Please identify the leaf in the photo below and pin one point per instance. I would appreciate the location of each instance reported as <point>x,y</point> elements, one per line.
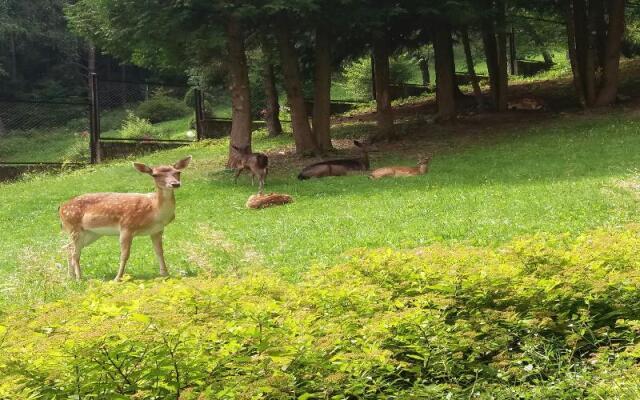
<point>145,319</point>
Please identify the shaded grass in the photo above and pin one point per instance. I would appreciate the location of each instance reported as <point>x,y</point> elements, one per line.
<point>558,177</point>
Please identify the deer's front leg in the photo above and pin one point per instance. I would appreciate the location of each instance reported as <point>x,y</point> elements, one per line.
<point>126,238</point>
<point>238,171</point>
<point>156,239</point>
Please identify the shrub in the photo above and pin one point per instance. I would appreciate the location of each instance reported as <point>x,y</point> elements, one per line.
<point>111,120</point>
<point>135,127</point>
<point>161,107</point>
<point>357,75</point>
<point>543,318</point>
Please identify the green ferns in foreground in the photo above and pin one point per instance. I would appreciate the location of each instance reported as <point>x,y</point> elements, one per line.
<point>547,317</point>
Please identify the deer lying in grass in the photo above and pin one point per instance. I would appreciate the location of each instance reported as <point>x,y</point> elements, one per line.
<point>338,167</point>
<point>422,168</point>
<point>527,104</point>
<point>257,163</point>
<point>91,216</point>
<point>257,201</point>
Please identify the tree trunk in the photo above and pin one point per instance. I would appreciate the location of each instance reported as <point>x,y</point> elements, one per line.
<point>272,110</point>
<point>13,68</point>
<point>272,115</point>
<point>305,141</point>
<point>424,71</point>
<point>445,71</point>
<point>591,53</point>
<point>601,32</point>
<point>584,53</point>
<point>322,90</point>
<point>609,89</point>
<point>495,47</point>
<point>471,68</point>
<point>491,56</point>
<point>239,88</point>
<point>573,53</point>
<point>384,112</point>
<point>503,77</point>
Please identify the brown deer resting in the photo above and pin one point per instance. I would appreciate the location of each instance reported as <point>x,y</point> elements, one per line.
<point>91,216</point>
<point>267,200</point>
<point>422,168</point>
<point>338,167</point>
<point>256,163</point>
<point>527,104</point>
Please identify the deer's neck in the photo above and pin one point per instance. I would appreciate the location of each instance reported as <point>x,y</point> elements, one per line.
<point>423,168</point>
<point>165,199</point>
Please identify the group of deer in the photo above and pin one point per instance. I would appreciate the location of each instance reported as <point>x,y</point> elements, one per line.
<point>88,217</point>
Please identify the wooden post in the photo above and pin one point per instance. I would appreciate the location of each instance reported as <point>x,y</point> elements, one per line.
<point>94,121</point>
<point>199,114</point>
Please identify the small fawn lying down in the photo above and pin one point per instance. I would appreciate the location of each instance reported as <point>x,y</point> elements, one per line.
<point>91,216</point>
<point>527,104</point>
<point>338,167</point>
<point>268,200</point>
<point>256,163</point>
<point>422,168</point>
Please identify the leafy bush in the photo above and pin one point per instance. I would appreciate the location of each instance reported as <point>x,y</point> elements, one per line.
<point>135,127</point>
<point>112,120</point>
<point>161,107</point>
<point>357,75</point>
<point>546,317</point>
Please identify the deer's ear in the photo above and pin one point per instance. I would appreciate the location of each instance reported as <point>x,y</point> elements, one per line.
<point>142,168</point>
<point>182,164</point>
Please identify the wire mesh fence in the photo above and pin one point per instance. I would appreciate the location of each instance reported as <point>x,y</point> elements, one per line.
<point>140,111</point>
<point>44,131</point>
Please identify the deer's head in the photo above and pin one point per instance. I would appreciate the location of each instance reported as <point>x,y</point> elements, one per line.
<point>165,176</point>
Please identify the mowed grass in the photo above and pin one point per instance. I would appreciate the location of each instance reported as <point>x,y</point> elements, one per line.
<point>562,176</point>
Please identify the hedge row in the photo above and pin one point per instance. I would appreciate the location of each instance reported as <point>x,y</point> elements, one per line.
<point>547,317</point>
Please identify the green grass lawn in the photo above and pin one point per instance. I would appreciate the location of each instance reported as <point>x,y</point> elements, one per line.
<point>509,271</point>
<point>558,177</point>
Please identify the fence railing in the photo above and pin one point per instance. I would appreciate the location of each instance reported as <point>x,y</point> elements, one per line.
<point>39,131</point>
<point>113,118</point>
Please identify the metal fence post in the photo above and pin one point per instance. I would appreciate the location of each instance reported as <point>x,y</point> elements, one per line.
<point>199,113</point>
<point>94,121</point>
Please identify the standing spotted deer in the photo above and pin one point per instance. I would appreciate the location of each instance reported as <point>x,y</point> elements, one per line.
<point>91,216</point>
<point>256,163</point>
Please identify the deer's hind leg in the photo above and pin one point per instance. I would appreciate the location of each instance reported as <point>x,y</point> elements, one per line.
<point>79,240</point>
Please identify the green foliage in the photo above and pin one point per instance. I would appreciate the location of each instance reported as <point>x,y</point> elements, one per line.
<point>543,317</point>
<point>161,107</point>
<point>135,127</point>
<point>357,75</point>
